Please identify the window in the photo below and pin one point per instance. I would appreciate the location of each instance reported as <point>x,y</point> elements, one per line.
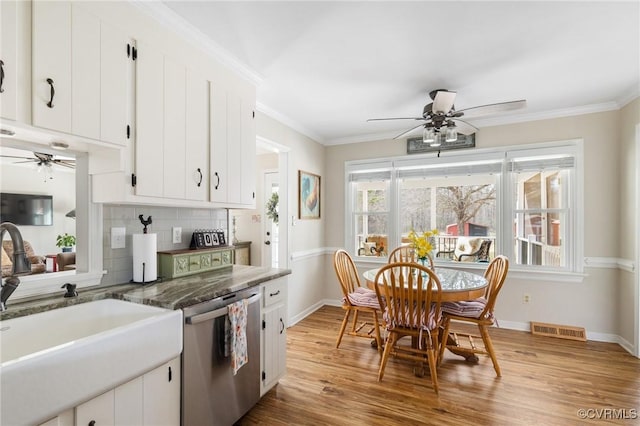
<point>520,202</point>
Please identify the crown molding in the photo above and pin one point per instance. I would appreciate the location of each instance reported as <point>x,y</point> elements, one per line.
<point>295,125</point>
<point>175,23</point>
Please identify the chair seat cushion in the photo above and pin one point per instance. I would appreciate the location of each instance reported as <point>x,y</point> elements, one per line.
<point>431,323</point>
<point>466,308</point>
<point>364,297</point>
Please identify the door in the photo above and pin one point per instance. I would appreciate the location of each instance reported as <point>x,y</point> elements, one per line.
<point>271,227</point>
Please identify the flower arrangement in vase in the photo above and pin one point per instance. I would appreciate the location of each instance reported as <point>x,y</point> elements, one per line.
<point>422,243</point>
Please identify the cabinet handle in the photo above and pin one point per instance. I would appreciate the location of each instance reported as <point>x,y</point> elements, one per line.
<point>274,294</point>
<point>53,92</point>
<point>170,374</point>
<point>1,75</point>
<point>200,172</point>
<point>282,324</point>
<point>218,177</point>
<point>92,423</point>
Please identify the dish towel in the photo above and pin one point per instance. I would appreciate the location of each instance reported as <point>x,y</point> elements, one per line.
<point>238,329</point>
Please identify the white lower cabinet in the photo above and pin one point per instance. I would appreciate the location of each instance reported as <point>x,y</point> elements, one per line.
<point>273,333</point>
<point>152,399</point>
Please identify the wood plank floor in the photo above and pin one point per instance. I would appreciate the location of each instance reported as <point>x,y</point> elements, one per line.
<point>545,381</point>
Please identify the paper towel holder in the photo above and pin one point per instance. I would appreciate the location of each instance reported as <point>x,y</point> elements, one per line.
<point>145,223</point>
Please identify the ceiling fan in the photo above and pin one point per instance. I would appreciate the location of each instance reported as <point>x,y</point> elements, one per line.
<point>44,162</point>
<point>441,115</point>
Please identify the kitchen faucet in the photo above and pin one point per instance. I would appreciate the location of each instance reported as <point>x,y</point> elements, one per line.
<point>21,264</point>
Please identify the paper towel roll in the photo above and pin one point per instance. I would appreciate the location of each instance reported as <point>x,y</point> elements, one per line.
<point>145,260</point>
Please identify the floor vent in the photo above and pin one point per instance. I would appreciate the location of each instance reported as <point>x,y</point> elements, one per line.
<point>560,331</point>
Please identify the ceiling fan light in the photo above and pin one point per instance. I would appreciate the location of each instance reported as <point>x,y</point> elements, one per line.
<point>437,141</point>
<point>428,135</point>
<point>452,134</point>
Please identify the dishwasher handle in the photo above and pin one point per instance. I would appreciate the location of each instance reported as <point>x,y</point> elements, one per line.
<point>206,316</point>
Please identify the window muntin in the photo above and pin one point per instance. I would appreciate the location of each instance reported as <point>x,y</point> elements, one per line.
<point>530,217</point>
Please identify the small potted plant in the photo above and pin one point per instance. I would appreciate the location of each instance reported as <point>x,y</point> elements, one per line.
<point>66,242</point>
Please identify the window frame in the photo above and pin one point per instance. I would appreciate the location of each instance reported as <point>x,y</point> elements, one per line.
<point>573,271</point>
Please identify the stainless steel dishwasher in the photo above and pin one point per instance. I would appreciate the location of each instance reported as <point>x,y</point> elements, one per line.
<point>211,393</point>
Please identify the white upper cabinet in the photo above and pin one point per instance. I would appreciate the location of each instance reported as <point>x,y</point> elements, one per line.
<point>80,73</point>
<point>233,142</point>
<point>197,137</point>
<point>51,65</point>
<point>15,60</point>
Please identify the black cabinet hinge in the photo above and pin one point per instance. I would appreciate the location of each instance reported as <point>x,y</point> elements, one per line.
<point>264,324</point>
<point>128,131</point>
<point>264,376</point>
<point>134,179</point>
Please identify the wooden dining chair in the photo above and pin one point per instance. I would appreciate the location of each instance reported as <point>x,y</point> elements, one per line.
<point>356,299</point>
<point>410,295</point>
<point>407,253</point>
<point>479,312</point>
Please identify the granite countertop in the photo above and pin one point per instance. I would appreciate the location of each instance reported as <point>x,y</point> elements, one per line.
<point>177,293</point>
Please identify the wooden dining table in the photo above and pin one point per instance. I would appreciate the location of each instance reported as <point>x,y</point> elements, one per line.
<point>456,285</point>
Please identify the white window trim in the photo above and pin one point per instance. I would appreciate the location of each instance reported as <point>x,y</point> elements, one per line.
<point>575,266</point>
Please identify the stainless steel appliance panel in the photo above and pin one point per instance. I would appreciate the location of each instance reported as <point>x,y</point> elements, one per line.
<point>211,393</point>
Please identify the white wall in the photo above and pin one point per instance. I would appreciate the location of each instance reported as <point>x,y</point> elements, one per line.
<point>24,179</point>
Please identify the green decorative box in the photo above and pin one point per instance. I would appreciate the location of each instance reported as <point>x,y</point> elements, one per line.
<point>179,263</point>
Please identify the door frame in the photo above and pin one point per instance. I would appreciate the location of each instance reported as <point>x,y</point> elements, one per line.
<point>285,195</point>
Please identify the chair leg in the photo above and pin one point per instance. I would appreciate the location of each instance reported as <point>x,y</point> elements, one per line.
<point>343,327</point>
<point>376,324</point>
<point>443,339</point>
<point>385,355</point>
<point>431,357</point>
<point>486,339</point>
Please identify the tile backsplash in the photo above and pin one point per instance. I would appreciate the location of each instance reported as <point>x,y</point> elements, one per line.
<point>119,262</point>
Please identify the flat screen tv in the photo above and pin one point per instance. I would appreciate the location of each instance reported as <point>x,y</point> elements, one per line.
<point>26,209</point>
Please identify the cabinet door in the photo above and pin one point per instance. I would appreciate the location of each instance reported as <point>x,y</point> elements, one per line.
<point>51,65</point>
<point>218,143</point>
<point>162,395</point>
<point>116,97</point>
<point>128,403</point>
<point>174,173</point>
<point>275,345</point>
<point>149,152</point>
<point>197,137</point>
<point>66,418</point>
<point>99,410</point>
<point>9,58</point>
<point>85,73</point>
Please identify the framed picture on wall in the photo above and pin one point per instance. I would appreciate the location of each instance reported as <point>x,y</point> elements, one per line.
<point>308,195</point>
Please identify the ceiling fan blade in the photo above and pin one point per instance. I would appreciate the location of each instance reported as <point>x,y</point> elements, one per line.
<point>28,160</point>
<point>464,128</point>
<point>15,156</point>
<point>70,166</point>
<point>408,131</point>
<point>397,118</point>
<point>493,108</point>
<point>443,102</point>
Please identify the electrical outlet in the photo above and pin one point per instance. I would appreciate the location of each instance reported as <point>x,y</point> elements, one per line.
<point>526,298</point>
<point>177,235</point>
<point>118,237</point>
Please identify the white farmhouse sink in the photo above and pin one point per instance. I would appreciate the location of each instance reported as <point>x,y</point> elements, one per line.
<point>55,360</point>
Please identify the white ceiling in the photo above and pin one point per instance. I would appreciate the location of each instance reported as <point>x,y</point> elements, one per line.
<point>325,67</point>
